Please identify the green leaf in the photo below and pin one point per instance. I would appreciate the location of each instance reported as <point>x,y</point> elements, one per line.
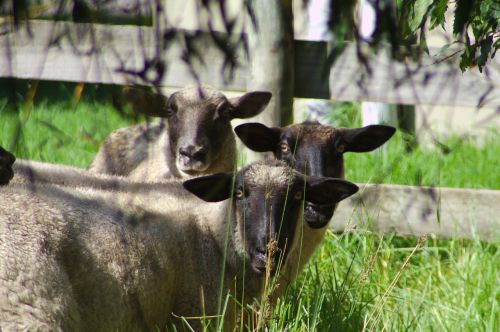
<point>490,11</point>
<point>484,7</point>
<point>467,57</point>
<point>422,46</point>
<point>418,14</point>
<point>437,13</point>
<point>463,13</point>
<point>485,51</point>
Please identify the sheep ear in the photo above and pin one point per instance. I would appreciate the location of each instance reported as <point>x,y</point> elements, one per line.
<point>250,104</point>
<point>328,191</point>
<point>211,188</point>
<point>258,137</point>
<point>7,159</point>
<point>144,101</point>
<point>364,139</point>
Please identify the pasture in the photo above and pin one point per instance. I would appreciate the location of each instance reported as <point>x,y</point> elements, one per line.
<point>357,280</point>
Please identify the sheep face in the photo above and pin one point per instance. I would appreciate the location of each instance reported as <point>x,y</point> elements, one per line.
<point>268,202</point>
<point>267,207</point>
<point>315,150</point>
<point>198,120</point>
<point>199,125</point>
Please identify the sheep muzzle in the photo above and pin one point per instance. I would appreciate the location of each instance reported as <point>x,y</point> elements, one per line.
<point>192,158</point>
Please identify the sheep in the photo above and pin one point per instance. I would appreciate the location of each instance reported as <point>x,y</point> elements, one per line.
<point>194,136</point>
<point>314,149</point>
<point>309,147</point>
<point>113,261</point>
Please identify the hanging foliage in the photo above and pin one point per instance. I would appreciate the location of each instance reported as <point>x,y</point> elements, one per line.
<point>403,25</point>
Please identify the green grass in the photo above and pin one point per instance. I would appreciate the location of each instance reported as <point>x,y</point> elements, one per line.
<point>355,281</point>
<point>453,162</point>
<point>461,163</point>
<point>446,286</point>
<point>60,132</point>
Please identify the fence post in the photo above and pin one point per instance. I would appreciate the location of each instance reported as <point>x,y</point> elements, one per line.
<point>270,44</point>
<point>402,116</point>
<point>372,112</point>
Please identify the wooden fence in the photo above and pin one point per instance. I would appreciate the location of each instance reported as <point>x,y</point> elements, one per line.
<point>100,53</point>
<point>419,211</point>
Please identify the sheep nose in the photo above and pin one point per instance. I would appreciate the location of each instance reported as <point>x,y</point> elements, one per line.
<point>261,254</point>
<point>192,152</point>
<point>260,260</point>
<point>261,251</point>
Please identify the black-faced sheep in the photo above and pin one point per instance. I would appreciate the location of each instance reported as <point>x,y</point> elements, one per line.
<point>115,261</point>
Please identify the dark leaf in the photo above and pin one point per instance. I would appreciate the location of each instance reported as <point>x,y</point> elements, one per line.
<point>485,47</point>
<point>437,13</point>
<point>463,13</point>
<point>466,59</point>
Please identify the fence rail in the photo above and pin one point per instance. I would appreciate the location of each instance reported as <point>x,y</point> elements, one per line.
<point>99,53</point>
<point>419,211</point>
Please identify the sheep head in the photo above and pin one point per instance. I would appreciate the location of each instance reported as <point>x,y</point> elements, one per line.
<point>198,120</point>
<point>268,200</point>
<point>315,150</point>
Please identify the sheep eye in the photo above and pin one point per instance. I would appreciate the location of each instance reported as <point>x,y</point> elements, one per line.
<point>225,110</point>
<point>239,194</point>
<point>285,148</point>
<point>341,148</point>
<point>170,112</point>
<point>171,109</point>
<point>298,195</point>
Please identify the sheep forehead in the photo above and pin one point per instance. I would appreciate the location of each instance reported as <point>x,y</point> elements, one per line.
<point>277,176</point>
<point>199,97</point>
<point>313,132</point>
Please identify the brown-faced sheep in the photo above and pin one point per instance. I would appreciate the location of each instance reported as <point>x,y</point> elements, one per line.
<point>314,149</point>
<point>193,138</point>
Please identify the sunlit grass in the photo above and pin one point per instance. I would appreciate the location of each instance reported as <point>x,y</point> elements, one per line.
<point>451,285</point>
<point>59,132</point>
<point>463,164</point>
